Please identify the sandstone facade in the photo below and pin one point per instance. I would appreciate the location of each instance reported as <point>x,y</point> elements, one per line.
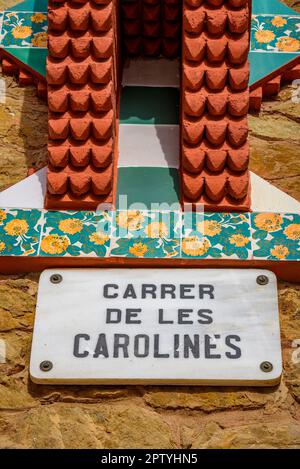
<point>33,416</point>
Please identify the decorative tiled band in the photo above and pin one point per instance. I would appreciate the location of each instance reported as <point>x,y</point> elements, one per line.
<point>271,33</point>
<point>23,29</point>
<point>150,235</point>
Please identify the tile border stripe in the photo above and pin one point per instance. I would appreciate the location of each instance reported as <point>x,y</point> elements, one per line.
<point>149,235</point>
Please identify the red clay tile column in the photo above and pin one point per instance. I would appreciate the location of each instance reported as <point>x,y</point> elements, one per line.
<point>82,75</point>
<point>151,27</point>
<point>215,102</point>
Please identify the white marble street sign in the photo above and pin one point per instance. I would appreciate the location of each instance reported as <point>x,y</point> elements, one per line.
<point>174,326</point>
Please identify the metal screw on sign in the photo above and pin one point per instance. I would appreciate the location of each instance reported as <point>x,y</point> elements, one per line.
<point>262,280</point>
<point>46,365</point>
<point>266,367</point>
<point>56,278</point>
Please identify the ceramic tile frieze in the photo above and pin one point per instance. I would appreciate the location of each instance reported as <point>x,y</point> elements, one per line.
<point>142,234</point>
<point>276,236</point>
<point>216,235</point>
<point>20,232</point>
<point>85,234</point>
<point>279,33</point>
<point>24,29</point>
<point>150,234</point>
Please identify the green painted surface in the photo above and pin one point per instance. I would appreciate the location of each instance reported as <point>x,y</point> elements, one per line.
<point>262,64</point>
<point>146,105</point>
<point>275,38</point>
<point>274,7</point>
<point>148,185</point>
<point>34,58</point>
<point>30,46</point>
<point>30,5</point>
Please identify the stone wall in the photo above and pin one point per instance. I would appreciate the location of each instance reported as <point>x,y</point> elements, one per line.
<point>33,416</point>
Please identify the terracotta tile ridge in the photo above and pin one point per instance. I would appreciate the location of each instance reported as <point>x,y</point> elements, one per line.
<point>81,182</point>
<point>216,186</point>
<point>81,70</point>
<point>70,169</point>
<point>97,155</point>
<point>215,158</point>
<point>89,115</point>
<point>80,16</point>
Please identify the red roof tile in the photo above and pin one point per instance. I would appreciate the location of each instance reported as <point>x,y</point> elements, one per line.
<point>81,74</point>
<point>82,100</point>
<point>215,103</point>
<point>151,27</point>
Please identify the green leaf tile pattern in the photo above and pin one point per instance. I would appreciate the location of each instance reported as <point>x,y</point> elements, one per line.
<point>24,29</point>
<point>76,234</point>
<point>271,33</point>
<point>23,33</point>
<point>216,235</point>
<point>150,234</point>
<point>20,232</point>
<point>142,234</point>
<point>275,38</point>
<point>276,236</point>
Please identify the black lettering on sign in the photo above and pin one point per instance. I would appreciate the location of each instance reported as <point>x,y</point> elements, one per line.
<point>148,289</point>
<point>130,292</point>
<point>206,290</point>
<point>157,353</point>
<point>176,346</point>
<point>110,286</point>
<point>189,346</point>
<point>237,350</point>
<point>76,349</point>
<point>161,319</point>
<point>182,314</point>
<point>205,316</point>
<point>208,346</point>
<point>184,290</point>
<point>113,319</point>
<point>132,313</point>
<point>168,289</point>
<point>101,347</point>
<point>137,345</point>
<point>121,342</point>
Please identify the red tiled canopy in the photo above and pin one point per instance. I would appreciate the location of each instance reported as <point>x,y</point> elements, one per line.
<point>151,27</point>
<point>82,75</point>
<point>83,85</point>
<point>215,102</point>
